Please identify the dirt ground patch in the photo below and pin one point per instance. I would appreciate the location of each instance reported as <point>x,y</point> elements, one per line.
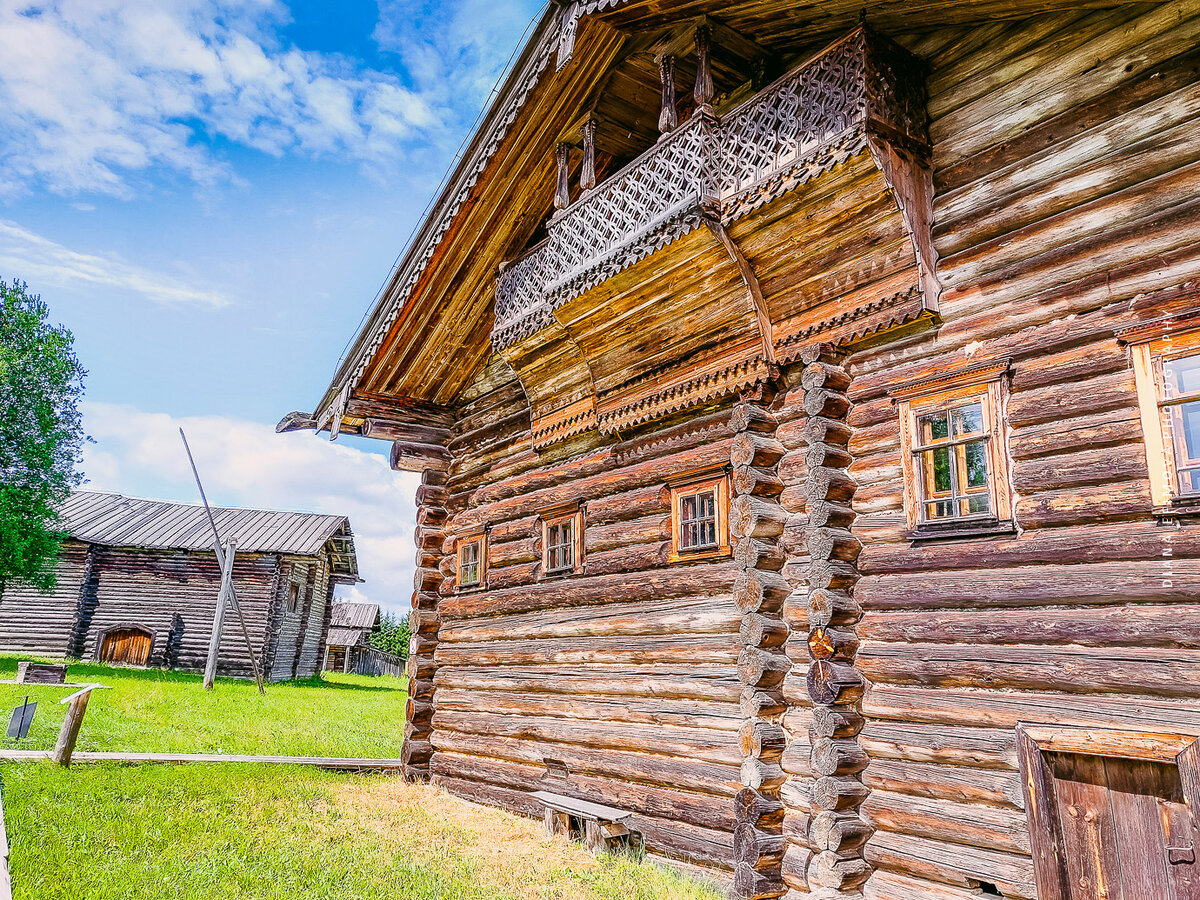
<point>513,854</point>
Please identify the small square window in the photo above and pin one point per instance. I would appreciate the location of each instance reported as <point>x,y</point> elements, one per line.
<point>472,560</point>
<point>1167,371</point>
<point>700,517</point>
<point>562,542</point>
<point>955,458</point>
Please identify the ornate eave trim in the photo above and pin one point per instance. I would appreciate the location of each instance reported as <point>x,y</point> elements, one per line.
<point>564,423</point>
<point>1164,326</point>
<point>696,390</point>
<point>881,315</point>
<point>966,376</point>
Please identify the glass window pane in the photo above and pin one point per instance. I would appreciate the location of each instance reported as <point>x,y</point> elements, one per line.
<point>1181,376</point>
<point>975,455</point>
<point>967,420</point>
<point>933,428</point>
<point>940,509</point>
<point>1185,431</point>
<point>698,520</point>
<point>937,471</point>
<point>976,504</point>
<point>1189,481</point>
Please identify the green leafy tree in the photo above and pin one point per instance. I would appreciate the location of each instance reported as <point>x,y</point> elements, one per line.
<point>392,636</point>
<point>41,434</point>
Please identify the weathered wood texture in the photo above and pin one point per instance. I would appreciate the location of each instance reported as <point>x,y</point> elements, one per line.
<point>773,714</point>
<point>625,673</point>
<point>1065,153</point>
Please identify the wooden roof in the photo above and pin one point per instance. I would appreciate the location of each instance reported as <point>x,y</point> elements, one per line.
<point>117,521</point>
<point>429,332</point>
<point>354,615</point>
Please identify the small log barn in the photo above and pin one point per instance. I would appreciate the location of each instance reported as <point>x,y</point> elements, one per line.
<point>807,397</point>
<point>350,627</point>
<point>137,584</point>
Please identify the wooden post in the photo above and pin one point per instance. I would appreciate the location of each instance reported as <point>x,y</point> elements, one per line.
<point>703,93</point>
<point>562,194</point>
<point>221,561</point>
<point>668,117</point>
<point>587,173</point>
<point>70,729</point>
<point>214,641</point>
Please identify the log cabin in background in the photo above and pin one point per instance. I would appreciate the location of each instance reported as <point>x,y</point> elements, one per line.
<point>137,584</point>
<point>350,629</point>
<point>808,408</point>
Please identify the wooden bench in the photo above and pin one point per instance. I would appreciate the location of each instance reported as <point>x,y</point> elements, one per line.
<point>599,826</point>
<point>41,673</point>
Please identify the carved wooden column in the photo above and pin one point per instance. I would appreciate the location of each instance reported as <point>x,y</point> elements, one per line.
<point>703,93</point>
<point>562,192</point>
<point>587,171</point>
<point>423,623</point>
<point>668,116</point>
<point>836,832</point>
<point>756,522</point>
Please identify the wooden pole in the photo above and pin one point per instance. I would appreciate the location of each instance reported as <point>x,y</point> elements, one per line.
<point>587,172</point>
<point>668,118</point>
<point>214,641</point>
<point>221,560</point>
<point>562,191</point>
<point>71,725</point>
<point>703,92</point>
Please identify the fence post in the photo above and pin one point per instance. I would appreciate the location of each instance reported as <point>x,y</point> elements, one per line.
<point>71,725</point>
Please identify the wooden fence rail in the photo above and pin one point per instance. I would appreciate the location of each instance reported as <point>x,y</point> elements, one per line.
<point>369,661</point>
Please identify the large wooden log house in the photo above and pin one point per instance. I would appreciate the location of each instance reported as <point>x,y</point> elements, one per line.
<point>807,397</point>
<point>137,583</point>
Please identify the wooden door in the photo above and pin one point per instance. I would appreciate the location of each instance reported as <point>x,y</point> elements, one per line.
<point>1125,828</point>
<point>128,646</point>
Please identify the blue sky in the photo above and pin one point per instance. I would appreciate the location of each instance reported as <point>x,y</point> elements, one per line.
<point>210,194</point>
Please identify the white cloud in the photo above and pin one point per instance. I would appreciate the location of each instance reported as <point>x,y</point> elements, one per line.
<point>41,261</point>
<point>92,91</point>
<point>246,464</point>
<point>460,45</point>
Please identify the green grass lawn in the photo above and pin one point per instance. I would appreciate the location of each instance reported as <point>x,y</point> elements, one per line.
<point>199,832</point>
<point>261,832</point>
<point>151,710</point>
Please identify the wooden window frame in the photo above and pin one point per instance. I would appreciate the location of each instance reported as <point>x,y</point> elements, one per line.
<point>715,481</point>
<point>293,597</point>
<point>1037,782</point>
<point>571,514</point>
<point>1148,350</point>
<point>471,538</point>
<point>983,384</point>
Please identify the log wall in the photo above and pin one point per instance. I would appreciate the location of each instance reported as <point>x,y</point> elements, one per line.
<point>1066,156</point>
<point>832,711</point>
<point>173,594</point>
<point>627,672</point>
<point>43,624</point>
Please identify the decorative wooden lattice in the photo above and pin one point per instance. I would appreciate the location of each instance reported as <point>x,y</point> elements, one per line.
<point>807,122</point>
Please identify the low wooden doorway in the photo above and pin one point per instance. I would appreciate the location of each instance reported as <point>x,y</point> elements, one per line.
<point>1112,815</point>
<point>126,646</point>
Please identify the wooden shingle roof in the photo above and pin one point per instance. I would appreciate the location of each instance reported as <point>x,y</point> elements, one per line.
<point>118,521</point>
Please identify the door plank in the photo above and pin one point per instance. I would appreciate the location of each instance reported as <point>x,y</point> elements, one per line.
<point>1085,817</point>
<point>1142,794</point>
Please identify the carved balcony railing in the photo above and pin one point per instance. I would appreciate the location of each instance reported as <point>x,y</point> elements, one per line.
<point>808,121</point>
